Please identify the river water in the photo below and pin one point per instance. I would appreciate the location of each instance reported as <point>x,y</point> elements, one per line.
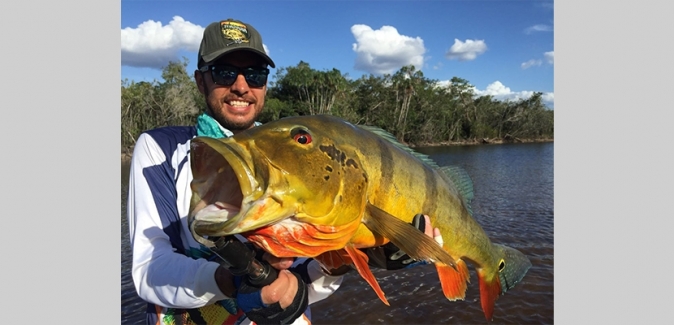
<point>514,203</point>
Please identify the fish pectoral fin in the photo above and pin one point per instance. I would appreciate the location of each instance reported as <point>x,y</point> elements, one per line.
<point>360,261</point>
<point>409,239</point>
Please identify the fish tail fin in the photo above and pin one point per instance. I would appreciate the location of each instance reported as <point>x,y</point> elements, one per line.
<point>511,268</point>
<point>454,282</point>
<point>360,262</point>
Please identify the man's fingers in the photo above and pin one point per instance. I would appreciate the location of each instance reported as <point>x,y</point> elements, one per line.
<point>438,236</point>
<point>282,290</point>
<point>290,292</point>
<point>432,232</point>
<point>277,262</point>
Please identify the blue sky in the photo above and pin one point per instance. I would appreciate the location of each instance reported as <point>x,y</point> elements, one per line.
<point>503,48</point>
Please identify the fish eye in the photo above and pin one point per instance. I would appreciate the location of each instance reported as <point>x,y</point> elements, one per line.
<point>301,136</point>
<point>501,265</point>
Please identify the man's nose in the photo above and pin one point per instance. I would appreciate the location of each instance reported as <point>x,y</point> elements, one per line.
<point>240,85</point>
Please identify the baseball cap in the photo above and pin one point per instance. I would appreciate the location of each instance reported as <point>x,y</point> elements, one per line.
<point>227,36</point>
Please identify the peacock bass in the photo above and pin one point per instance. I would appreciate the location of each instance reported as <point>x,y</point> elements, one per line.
<point>318,186</point>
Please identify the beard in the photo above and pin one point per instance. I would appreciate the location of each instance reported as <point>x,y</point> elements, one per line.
<point>233,125</point>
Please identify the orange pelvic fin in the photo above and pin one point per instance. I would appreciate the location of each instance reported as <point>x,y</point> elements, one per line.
<point>489,292</point>
<point>454,282</point>
<point>334,259</point>
<point>360,261</point>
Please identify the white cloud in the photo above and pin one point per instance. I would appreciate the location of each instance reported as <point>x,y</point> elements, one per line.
<point>495,89</point>
<point>531,63</point>
<point>442,83</point>
<point>549,98</point>
<point>153,45</point>
<point>550,57</point>
<point>384,50</point>
<point>500,92</point>
<point>538,28</point>
<point>466,51</point>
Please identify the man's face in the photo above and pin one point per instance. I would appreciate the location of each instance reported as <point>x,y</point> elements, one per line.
<point>235,107</point>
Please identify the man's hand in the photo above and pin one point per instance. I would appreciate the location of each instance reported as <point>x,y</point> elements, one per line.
<point>279,263</point>
<point>280,302</point>
<point>284,288</point>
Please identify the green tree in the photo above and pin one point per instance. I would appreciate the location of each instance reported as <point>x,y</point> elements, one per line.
<point>413,108</point>
<point>275,109</point>
<point>176,101</point>
<point>370,100</point>
<point>308,90</point>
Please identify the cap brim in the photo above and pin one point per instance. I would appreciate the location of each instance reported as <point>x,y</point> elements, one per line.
<point>210,58</point>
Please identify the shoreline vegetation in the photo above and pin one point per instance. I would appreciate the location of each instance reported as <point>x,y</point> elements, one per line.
<point>416,110</point>
<point>126,154</point>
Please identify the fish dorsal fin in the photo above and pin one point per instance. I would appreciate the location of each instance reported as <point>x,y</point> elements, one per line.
<point>392,139</point>
<point>463,183</point>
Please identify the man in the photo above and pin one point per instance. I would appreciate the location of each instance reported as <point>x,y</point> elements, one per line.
<point>180,279</point>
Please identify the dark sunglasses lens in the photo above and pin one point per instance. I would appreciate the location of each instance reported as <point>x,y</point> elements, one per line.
<point>255,77</point>
<point>225,75</point>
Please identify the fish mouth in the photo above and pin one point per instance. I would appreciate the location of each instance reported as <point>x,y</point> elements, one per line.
<point>231,194</point>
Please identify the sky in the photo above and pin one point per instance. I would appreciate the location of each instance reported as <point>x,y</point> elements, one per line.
<point>505,48</point>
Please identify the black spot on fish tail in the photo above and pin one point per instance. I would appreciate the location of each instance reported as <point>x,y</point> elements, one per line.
<point>328,168</point>
<point>350,162</point>
<point>342,157</point>
<point>326,177</point>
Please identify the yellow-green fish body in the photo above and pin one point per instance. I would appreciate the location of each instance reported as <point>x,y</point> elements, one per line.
<point>318,186</point>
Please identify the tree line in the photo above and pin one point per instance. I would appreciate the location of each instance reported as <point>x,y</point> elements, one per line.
<point>415,109</point>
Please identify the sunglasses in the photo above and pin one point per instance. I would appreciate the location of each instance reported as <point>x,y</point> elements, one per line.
<point>225,75</point>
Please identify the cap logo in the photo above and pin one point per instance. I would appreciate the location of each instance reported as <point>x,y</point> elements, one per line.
<point>236,32</point>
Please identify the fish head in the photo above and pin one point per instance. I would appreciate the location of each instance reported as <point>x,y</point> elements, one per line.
<point>295,186</point>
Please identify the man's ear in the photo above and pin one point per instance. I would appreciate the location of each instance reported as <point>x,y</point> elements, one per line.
<point>201,83</point>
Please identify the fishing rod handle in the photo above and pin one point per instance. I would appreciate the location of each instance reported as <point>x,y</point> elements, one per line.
<point>241,260</point>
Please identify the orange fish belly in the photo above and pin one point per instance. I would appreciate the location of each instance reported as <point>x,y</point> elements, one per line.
<point>291,238</point>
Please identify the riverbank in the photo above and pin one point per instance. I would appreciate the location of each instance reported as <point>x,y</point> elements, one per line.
<point>126,154</point>
<point>482,141</point>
